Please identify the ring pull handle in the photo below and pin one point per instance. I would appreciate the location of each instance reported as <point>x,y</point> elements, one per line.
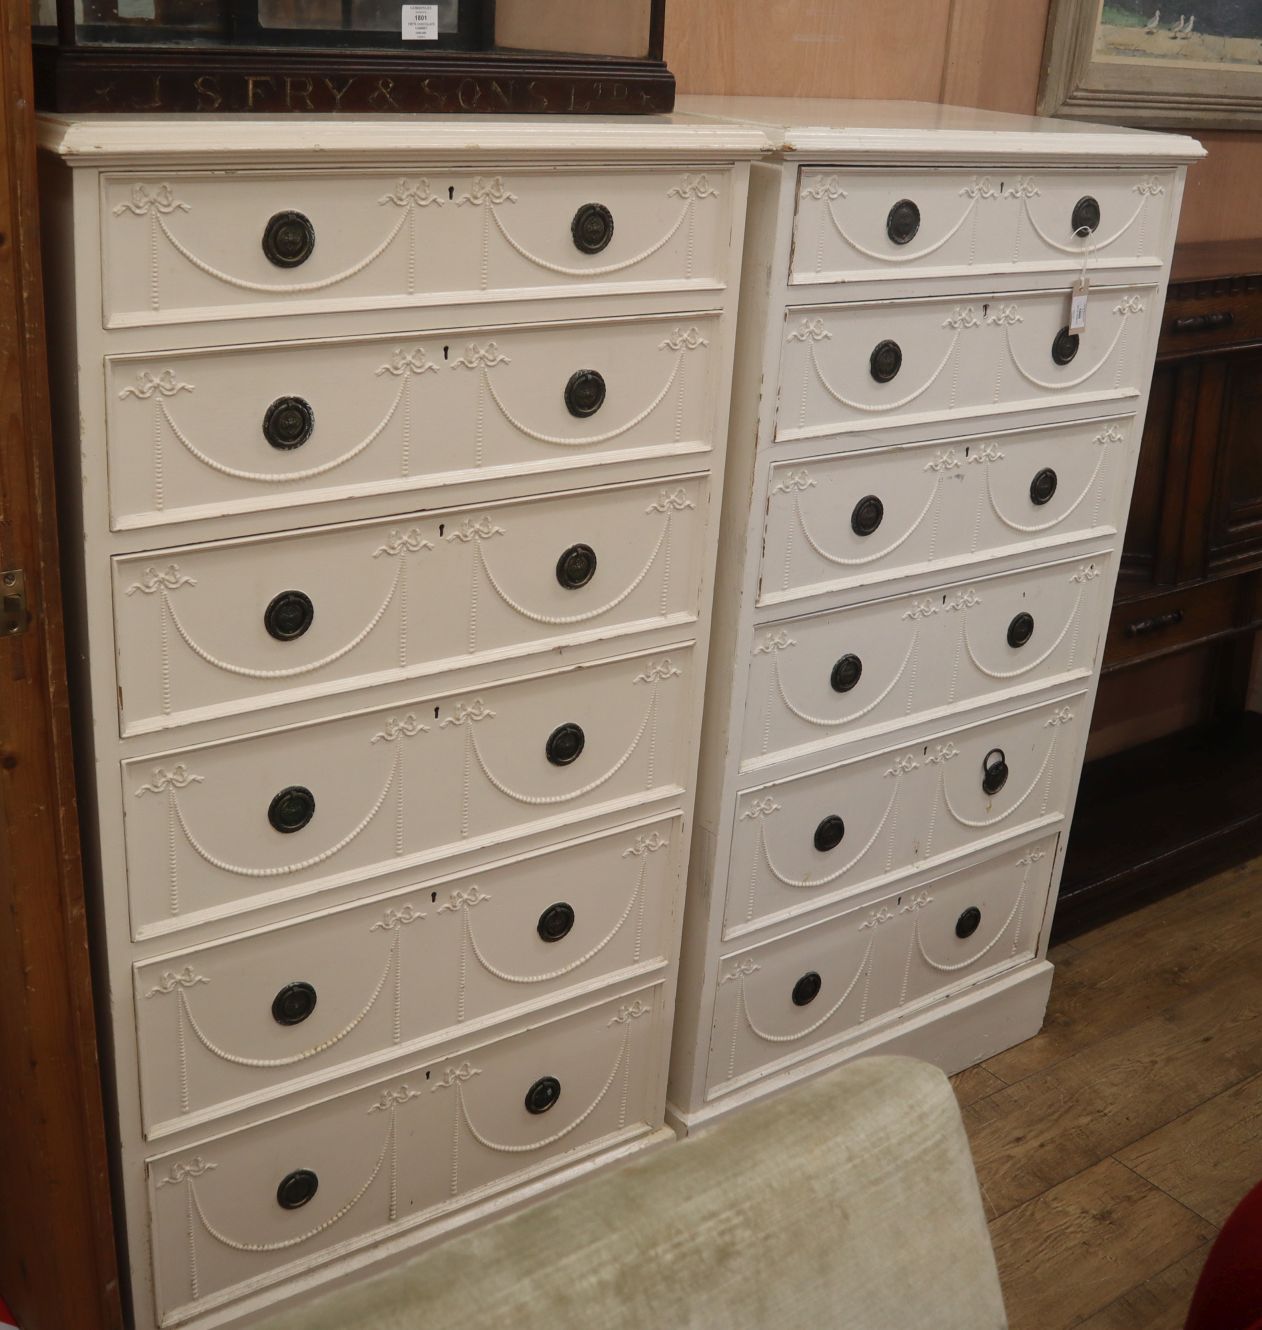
<point>555,922</point>
<point>806,990</point>
<point>994,771</point>
<point>829,834</point>
<point>585,393</point>
<point>288,616</point>
<point>564,745</point>
<point>885,361</point>
<point>1065,346</point>
<point>294,1003</point>
<point>592,228</point>
<point>1043,486</point>
<point>868,514</point>
<point>968,922</point>
<point>288,423</point>
<point>576,567</point>
<point>543,1094</point>
<point>846,673</point>
<point>903,222</point>
<point>288,239</point>
<point>296,1189</point>
<point>1020,630</point>
<point>1085,217</point>
<point>291,809</point>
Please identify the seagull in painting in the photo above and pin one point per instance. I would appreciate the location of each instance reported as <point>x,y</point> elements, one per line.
<point>1187,32</point>
<point>1178,27</point>
<point>1154,22</point>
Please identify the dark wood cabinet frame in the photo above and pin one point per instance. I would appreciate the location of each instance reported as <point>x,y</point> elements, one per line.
<point>58,1266</point>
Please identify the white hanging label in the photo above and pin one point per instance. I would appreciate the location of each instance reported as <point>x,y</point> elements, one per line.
<point>1078,305</point>
<point>420,23</point>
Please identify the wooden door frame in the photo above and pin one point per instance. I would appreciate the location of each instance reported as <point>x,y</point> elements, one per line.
<point>58,1267</point>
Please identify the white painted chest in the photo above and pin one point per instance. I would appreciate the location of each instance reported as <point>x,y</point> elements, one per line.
<point>391,454</point>
<point>928,479</point>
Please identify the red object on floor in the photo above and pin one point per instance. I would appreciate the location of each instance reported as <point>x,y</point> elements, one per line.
<point>7,1319</point>
<point>1229,1292</point>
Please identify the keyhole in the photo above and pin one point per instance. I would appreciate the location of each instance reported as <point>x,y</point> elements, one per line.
<point>451,194</point>
<point>446,352</point>
<point>441,527</point>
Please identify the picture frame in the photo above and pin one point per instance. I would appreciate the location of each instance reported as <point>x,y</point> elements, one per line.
<point>1141,63</point>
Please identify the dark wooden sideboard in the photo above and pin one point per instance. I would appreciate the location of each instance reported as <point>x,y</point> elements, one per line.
<point>1164,812</point>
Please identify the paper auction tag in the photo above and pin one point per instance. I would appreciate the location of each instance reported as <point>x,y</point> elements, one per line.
<point>1078,305</point>
<point>420,23</point>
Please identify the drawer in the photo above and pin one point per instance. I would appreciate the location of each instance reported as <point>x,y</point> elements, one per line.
<point>868,366</point>
<point>788,999</point>
<point>196,434</point>
<point>204,245</point>
<point>823,680</point>
<point>246,1209</point>
<point>244,1020</point>
<point>859,224</point>
<point>844,519</point>
<point>205,630</point>
<point>804,841</point>
<point>1156,625</point>
<point>216,829</point>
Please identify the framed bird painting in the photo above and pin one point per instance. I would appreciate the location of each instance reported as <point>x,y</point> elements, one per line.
<point>1155,63</point>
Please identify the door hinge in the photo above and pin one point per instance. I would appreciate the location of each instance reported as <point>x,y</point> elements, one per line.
<point>14,617</point>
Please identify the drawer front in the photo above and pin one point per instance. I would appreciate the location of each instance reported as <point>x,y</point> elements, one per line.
<point>1139,629</point>
<point>378,1161</point>
<point>208,629</point>
<point>854,224</point>
<point>789,998</point>
<point>213,246</point>
<point>938,505</point>
<point>823,680</point>
<point>902,362</point>
<point>216,829</point>
<point>804,841</point>
<point>201,433</point>
<point>245,1019</point>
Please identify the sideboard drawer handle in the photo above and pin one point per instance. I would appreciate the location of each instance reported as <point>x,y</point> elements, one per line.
<point>576,567</point>
<point>903,222</point>
<point>556,921</point>
<point>288,615</point>
<point>585,393</point>
<point>288,239</point>
<point>829,834</point>
<point>1064,346</point>
<point>846,673</point>
<point>564,745</point>
<point>1021,629</point>
<point>1142,627</point>
<point>1085,217</point>
<point>291,809</point>
<point>994,771</point>
<point>288,423</point>
<point>806,990</point>
<point>968,922</point>
<point>868,514</point>
<point>1043,486</point>
<point>543,1094</point>
<point>294,1003</point>
<point>885,361</point>
<point>1194,323</point>
<point>592,228</point>
<point>296,1189</point>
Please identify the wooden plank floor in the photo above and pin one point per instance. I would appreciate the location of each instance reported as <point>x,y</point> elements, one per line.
<point>1111,1148</point>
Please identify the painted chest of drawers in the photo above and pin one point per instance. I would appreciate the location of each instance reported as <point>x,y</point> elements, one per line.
<point>391,455</point>
<point>928,476</point>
